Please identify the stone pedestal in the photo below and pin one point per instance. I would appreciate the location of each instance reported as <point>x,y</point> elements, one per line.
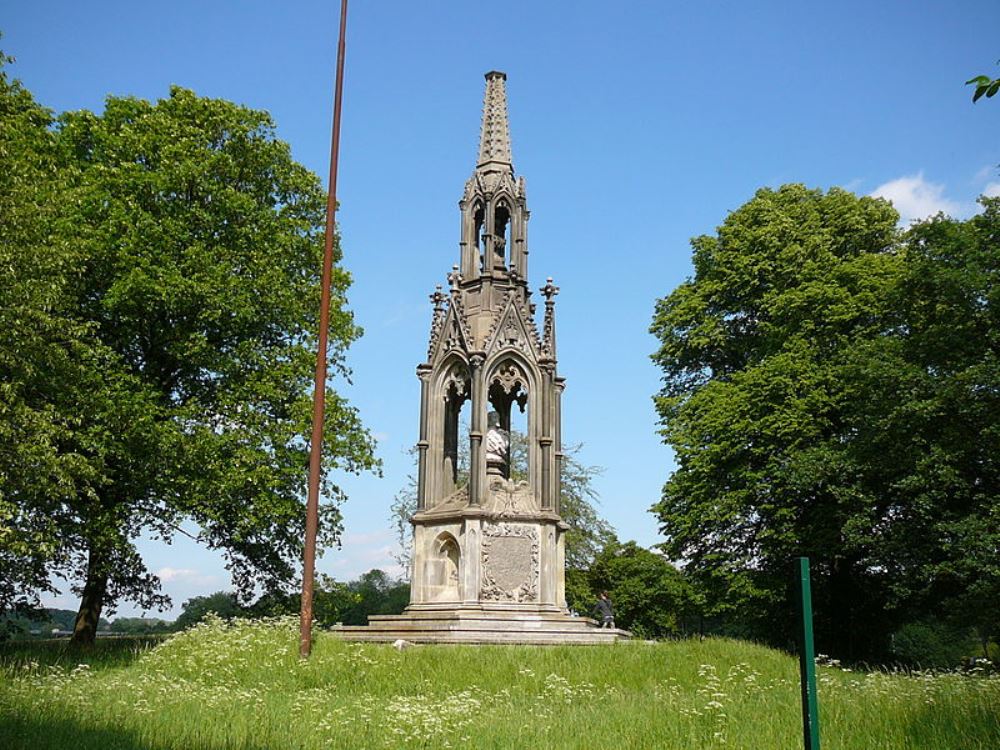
<point>481,625</point>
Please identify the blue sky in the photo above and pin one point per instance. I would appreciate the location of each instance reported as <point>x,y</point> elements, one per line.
<point>636,125</point>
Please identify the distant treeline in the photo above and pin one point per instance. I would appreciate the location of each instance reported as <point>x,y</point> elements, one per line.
<point>46,623</point>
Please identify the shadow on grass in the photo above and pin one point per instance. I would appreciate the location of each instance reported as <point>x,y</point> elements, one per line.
<point>23,733</point>
<point>106,652</point>
<point>976,728</point>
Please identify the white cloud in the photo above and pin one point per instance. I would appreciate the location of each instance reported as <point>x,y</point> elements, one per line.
<point>364,551</point>
<point>992,190</point>
<point>916,198</point>
<point>186,575</point>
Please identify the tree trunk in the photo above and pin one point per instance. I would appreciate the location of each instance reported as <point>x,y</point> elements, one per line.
<point>92,601</point>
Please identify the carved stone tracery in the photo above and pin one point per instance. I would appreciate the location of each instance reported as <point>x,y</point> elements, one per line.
<point>509,377</point>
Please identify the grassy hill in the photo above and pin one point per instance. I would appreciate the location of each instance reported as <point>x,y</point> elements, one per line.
<point>242,686</point>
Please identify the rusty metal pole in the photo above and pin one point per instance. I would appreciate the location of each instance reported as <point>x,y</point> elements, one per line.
<point>319,395</point>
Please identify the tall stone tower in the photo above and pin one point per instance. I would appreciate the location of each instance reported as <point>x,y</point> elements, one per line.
<point>489,543</point>
<point>490,539</point>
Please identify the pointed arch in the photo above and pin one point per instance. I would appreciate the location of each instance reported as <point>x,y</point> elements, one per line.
<point>444,576</point>
<point>451,390</point>
<point>511,383</point>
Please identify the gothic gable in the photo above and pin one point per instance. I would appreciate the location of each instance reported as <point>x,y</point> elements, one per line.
<point>514,328</point>
<point>451,334</point>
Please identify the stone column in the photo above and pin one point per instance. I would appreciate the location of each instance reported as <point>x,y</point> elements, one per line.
<point>417,576</point>
<point>545,437</point>
<point>561,568</point>
<point>424,373</point>
<point>476,431</point>
<point>560,386</point>
<point>472,561</point>
<point>468,265</point>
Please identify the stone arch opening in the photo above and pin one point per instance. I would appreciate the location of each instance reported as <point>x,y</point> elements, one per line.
<point>508,390</point>
<point>456,395</point>
<point>445,568</point>
<point>479,220</point>
<point>501,234</point>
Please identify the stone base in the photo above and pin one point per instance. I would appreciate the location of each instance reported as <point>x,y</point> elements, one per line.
<point>477,625</point>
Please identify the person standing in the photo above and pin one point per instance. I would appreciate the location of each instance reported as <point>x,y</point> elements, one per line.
<point>604,612</point>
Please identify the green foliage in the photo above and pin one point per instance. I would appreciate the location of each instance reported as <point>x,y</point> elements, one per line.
<point>931,644</point>
<point>373,593</point>
<point>140,626</point>
<point>242,685</point>
<point>164,308</point>
<point>39,623</point>
<point>650,596</point>
<point>222,604</point>
<point>830,390</point>
<point>51,369</point>
<point>985,86</point>
<point>588,532</point>
<point>755,351</point>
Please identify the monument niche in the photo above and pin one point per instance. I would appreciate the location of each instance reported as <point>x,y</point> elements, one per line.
<point>489,545</point>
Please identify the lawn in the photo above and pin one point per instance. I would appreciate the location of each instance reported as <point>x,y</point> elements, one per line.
<point>242,686</point>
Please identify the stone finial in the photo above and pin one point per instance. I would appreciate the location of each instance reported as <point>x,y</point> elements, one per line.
<point>549,291</point>
<point>438,298</point>
<point>454,279</point>
<point>437,319</point>
<point>494,140</point>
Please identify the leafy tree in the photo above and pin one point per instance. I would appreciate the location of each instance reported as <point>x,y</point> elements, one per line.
<point>831,389</point>
<point>140,625</point>
<point>650,596</point>
<point>192,299</point>
<point>932,644</point>
<point>588,533</point>
<point>50,368</point>
<point>374,593</point>
<point>222,603</point>
<point>757,350</point>
<point>931,449</point>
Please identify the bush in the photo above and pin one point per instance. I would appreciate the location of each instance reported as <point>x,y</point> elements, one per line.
<point>931,644</point>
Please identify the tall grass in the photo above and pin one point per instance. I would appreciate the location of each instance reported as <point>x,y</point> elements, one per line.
<point>241,685</point>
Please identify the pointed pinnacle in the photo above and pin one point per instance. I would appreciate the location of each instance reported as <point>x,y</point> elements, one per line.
<point>494,139</point>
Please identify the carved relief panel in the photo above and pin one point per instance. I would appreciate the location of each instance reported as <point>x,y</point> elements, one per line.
<point>510,554</point>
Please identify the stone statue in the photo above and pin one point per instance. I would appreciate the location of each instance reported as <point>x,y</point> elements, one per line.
<point>497,445</point>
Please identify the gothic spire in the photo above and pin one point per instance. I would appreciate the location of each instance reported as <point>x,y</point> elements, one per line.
<point>494,140</point>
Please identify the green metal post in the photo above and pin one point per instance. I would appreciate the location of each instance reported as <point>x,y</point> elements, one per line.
<point>807,661</point>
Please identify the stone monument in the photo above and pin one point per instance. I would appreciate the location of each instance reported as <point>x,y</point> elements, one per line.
<point>489,548</point>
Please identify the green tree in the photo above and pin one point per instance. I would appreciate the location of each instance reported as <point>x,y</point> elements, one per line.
<point>140,625</point>
<point>52,370</point>
<point>930,451</point>
<point>373,593</point>
<point>760,351</point>
<point>222,603</point>
<point>650,596</point>
<point>192,297</point>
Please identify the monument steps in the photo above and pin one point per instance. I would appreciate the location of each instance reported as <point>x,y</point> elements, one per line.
<point>482,627</point>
